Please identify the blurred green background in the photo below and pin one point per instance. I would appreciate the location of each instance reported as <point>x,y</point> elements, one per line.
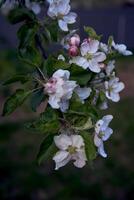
<point>106,179</point>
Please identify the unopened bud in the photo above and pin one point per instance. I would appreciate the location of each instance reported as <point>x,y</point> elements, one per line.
<point>74,40</point>
<point>73,51</point>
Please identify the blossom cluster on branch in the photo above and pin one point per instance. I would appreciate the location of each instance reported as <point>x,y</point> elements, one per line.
<point>74,83</point>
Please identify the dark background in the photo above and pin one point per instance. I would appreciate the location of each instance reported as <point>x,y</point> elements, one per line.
<point>105,179</point>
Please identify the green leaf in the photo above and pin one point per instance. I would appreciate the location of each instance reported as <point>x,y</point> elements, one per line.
<point>47,149</point>
<point>89,146</point>
<point>110,40</point>
<point>30,55</point>
<point>53,30</point>
<point>26,34</point>
<point>52,64</point>
<point>21,14</point>
<point>92,33</point>
<point>80,75</point>
<point>47,123</point>
<point>86,109</point>
<point>15,101</point>
<point>37,98</point>
<point>17,78</point>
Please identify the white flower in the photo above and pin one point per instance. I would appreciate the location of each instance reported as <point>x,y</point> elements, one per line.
<point>122,49</point>
<point>102,133</point>
<point>113,87</point>
<point>60,89</point>
<point>83,93</point>
<point>71,148</point>
<point>90,57</point>
<point>109,68</point>
<point>60,9</point>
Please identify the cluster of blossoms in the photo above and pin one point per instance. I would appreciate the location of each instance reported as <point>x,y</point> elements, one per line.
<point>83,82</point>
<point>91,55</point>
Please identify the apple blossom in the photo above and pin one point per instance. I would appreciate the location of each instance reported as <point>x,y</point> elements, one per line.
<point>113,87</point>
<point>91,57</point>
<point>122,49</point>
<point>71,147</point>
<point>60,89</point>
<point>102,133</point>
<point>60,9</point>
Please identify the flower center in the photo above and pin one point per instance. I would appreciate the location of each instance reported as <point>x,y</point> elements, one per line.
<point>101,134</point>
<point>72,149</point>
<point>89,56</point>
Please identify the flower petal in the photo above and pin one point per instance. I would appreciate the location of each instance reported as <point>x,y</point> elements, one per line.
<point>94,66</point>
<point>65,74</point>
<point>83,93</point>
<point>100,56</point>
<point>108,133</point>
<point>64,105</point>
<point>54,101</point>
<point>77,141</point>
<point>62,141</point>
<point>70,18</point>
<point>101,150</point>
<point>106,119</point>
<point>80,61</point>
<point>61,159</point>
<point>97,140</point>
<point>63,25</point>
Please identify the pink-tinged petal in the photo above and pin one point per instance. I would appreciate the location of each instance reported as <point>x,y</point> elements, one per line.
<point>80,158</point>
<point>97,140</point>
<point>65,74</point>
<point>63,141</point>
<point>85,48</point>
<point>63,25</point>
<point>93,45</point>
<point>70,18</point>
<point>80,61</point>
<point>61,159</point>
<point>100,56</point>
<point>108,133</point>
<point>101,151</point>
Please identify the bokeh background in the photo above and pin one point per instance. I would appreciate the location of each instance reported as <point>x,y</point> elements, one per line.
<point>106,179</point>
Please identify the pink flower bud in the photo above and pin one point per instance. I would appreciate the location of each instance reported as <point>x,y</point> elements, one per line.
<point>73,51</point>
<point>74,40</point>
